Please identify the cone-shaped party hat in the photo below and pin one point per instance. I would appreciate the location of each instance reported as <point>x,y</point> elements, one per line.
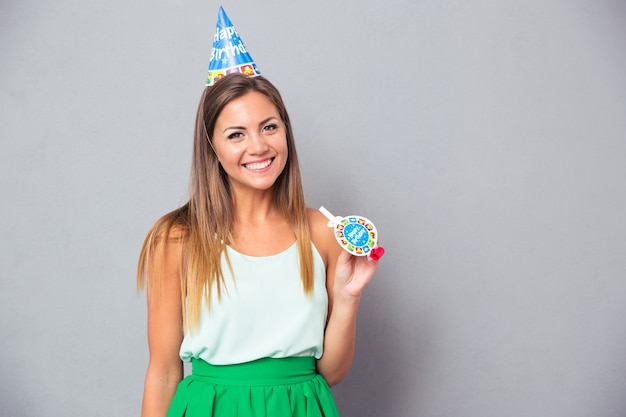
<point>229,54</point>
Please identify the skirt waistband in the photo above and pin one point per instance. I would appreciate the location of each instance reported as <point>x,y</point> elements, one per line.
<point>265,371</point>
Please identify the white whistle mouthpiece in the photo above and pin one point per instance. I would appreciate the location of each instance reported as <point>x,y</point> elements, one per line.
<point>332,220</point>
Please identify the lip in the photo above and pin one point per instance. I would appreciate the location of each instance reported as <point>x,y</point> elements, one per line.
<point>259,166</point>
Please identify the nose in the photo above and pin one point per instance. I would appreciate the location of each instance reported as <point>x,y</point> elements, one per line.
<point>257,145</point>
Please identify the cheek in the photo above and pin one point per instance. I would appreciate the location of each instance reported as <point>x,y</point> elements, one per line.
<point>285,153</point>
<point>228,155</point>
<point>284,148</point>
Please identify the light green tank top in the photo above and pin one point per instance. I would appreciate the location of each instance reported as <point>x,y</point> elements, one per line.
<point>263,312</point>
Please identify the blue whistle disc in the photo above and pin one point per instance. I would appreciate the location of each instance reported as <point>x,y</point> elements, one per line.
<point>357,235</point>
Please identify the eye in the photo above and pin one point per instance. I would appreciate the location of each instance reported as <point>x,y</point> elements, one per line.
<point>235,135</point>
<point>270,127</point>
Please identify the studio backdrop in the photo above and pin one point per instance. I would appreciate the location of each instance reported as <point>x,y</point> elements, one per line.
<point>486,139</point>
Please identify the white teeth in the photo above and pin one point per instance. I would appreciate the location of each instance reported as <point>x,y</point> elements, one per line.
<point>259,165</point>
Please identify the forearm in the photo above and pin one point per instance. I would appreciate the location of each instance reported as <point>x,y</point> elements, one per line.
<point>339,340</point>
<point>159,388</point>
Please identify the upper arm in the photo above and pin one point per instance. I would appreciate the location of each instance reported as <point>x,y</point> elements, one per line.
<point>165,326</point>
<point>165,330</point>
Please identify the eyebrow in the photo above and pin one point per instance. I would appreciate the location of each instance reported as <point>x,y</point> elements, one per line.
<point>243,128</point>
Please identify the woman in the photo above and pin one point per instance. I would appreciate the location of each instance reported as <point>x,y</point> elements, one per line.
<point>244,281</point>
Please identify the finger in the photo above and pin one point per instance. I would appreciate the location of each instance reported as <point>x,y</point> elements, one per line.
<point>344,258</point>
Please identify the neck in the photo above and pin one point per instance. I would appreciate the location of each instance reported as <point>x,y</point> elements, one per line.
<point>259,228</point>
<point>255,207</point>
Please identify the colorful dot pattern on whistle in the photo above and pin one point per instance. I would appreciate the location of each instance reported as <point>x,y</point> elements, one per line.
<point>356,234</point>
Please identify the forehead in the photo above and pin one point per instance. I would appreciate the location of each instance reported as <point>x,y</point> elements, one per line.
<point>252,107</point>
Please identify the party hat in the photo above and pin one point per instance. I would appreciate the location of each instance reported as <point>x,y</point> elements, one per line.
<point>229,54</point>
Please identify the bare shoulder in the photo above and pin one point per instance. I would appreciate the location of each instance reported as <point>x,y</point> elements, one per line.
<point>176,234</point>
<point>168,240</point>
<point>318,224</point>
<point>173,243</point>
<point>170,228</point>
<point>321,235</point>
<point>162,254</point>
<point>316,219</point>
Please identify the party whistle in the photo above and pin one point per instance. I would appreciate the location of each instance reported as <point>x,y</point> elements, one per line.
<point>355,234</point>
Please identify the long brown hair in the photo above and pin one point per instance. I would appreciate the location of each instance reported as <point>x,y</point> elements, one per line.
<point>206,220</point>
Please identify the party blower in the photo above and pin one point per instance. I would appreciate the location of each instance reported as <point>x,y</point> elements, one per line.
<point>355,234</point>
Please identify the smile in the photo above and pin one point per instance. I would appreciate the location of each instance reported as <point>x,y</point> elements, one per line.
<point>259,165</point>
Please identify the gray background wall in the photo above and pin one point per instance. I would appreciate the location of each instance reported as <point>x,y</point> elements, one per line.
<point>485,138</point>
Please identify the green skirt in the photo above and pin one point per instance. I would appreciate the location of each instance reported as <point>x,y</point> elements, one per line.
<point>287,387</point>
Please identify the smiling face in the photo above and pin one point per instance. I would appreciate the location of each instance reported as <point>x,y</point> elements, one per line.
<point>250,141</point>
